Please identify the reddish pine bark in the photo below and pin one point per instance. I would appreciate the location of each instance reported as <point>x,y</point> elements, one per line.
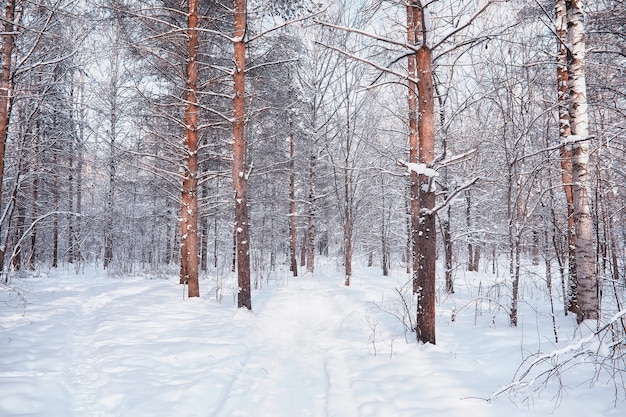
<point>8,42</point>
<point>6,100</point>
<point>427,234</point>
<point>189,206</point>
<point>239,160</point>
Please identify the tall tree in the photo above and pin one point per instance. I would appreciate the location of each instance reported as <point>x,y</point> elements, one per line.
<point>189,198</point>
<point>566,148</point>
<point>239,174</point>
<point>586,268</point>
<point>426,135</point>
<point>6,88</point>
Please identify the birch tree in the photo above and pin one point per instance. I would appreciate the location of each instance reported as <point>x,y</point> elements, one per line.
<point>586,268</point>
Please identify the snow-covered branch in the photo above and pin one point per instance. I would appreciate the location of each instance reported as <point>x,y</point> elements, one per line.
<point>413,48</point>
<point>592,349</point>
<point>420,169</point>
<point>287,23</point>
<point>366,61</point>
<point>456,192</point>
<point>464,25</point>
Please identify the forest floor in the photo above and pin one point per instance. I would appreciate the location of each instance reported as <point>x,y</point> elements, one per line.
<point>90,346</point>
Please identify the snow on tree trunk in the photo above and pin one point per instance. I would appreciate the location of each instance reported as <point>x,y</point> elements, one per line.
<point>422,185</point>
<point>428,233</point>
<point>587,291</point>
<point>239,160</point>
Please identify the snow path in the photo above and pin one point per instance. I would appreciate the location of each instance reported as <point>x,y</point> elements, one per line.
<point>297,366</point>
<point>84,376</point>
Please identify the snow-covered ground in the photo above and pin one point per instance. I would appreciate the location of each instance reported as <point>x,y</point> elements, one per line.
<point>90,346</point>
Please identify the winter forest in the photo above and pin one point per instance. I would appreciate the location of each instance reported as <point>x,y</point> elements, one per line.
<point>464,153</point>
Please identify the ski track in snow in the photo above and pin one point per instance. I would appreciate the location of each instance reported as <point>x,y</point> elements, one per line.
<point>287,373</point>
<point>84,375</point>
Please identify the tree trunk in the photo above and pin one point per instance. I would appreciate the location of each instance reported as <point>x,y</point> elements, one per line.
<point>189,197</point>
<point>55,217</point>
<point>311,232</point>
<point>292,208</point>
<point>6,83</point>
<point>587,294</point>
<point>239,159</point>
<point>204,252</point>
<point>19,231</point>
<point>413,146</point>
<point>566,149</point>
<point>215,242</point>
<point>112,163</point>
<point>6,219</point>
<point>204,235</point>
<point>347,236</point>
<point>515,273</point>
<point>35,196</point>
<point>348,219</point>
<point>383,233</point>
<point>80,158</point>
<point>476,258</point>
<point>447,246</point>
<point>169,238</point>
<point>468,224</point>
<point>427,236</point>
<point>70,208</point>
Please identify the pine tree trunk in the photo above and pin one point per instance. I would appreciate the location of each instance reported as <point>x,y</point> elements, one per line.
<point>6,84</point>
<point>427,236</point>
<point>587,294</point>
<point>189,197</point>
<point>239,159</point>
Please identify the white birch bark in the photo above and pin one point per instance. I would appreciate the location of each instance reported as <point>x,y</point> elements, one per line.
<point>585,253</point>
